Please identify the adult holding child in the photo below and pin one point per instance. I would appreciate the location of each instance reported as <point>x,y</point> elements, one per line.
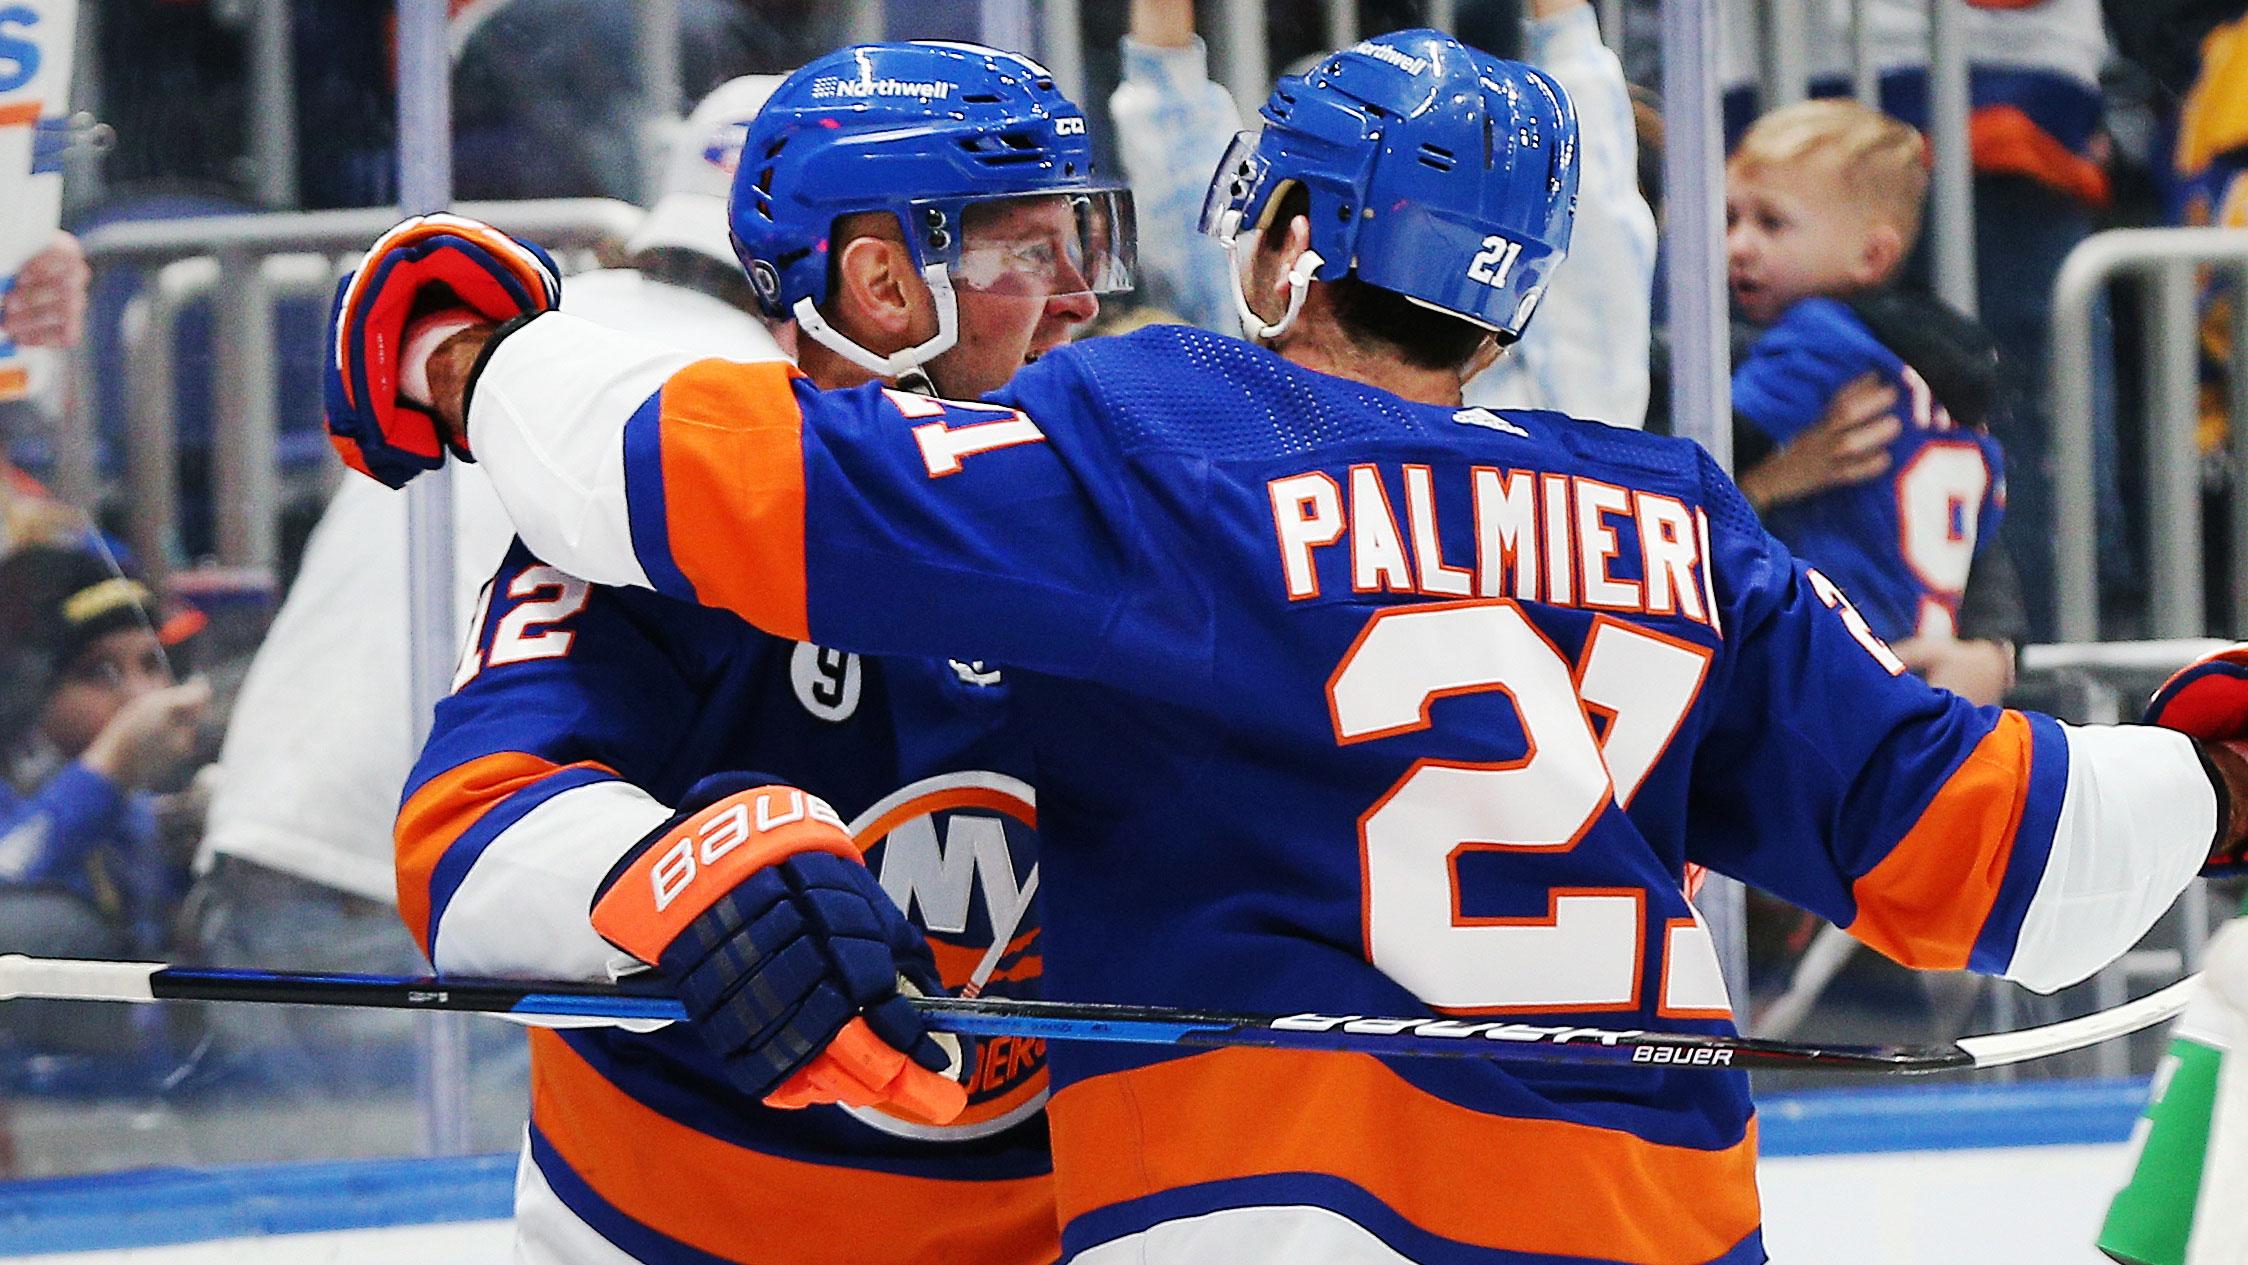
<point>1862,403</point>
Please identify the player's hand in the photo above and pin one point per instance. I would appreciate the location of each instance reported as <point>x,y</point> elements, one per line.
<point>756,907</point>
<point>428,276</point>
<point>1163,23</point>
<point>2208,699</point>
<point>1848,444</point>
<point>1976,669</point>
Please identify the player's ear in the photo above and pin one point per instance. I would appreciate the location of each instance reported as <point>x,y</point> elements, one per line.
<point>1268,274</point>
<point>878,287</point>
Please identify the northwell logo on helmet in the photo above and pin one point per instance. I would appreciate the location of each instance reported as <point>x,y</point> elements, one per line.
<point>1406,62</point>
<point>831,86</point>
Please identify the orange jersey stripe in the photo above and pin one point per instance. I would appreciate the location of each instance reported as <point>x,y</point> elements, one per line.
<point>1927,901</point>
<point>742,1205</point>
<point>946,801</point>
<point>1569,1189</point>
<point>445,808</point>
<point>733,473</point>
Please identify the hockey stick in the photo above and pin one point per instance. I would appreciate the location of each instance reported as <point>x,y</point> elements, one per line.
<point>64,979</point>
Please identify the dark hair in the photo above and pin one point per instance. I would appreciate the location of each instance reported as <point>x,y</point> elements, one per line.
<point>1420,336</point>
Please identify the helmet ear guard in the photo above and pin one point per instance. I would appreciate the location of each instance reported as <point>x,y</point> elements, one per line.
<point>1300,277</point>
<point>815,326</point>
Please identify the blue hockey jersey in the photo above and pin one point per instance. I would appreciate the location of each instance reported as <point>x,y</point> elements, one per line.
<point>1899,544</point>
<point>579,714</point>
<point>1349,704</point>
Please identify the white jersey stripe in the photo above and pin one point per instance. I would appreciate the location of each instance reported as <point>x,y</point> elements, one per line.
<point>2134,828</point>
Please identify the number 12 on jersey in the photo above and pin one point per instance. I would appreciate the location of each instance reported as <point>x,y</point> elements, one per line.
<point>1584,953</point>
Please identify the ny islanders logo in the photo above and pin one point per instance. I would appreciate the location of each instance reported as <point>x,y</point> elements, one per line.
<point>958,853</point>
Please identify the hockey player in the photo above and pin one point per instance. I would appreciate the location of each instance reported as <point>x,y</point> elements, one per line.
<point>1343,697</point>
<point>586,715</point>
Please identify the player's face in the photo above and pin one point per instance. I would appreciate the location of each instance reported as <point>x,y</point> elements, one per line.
<point>1790,234</point>
<point>94,686</point>
<point>1021,289</point>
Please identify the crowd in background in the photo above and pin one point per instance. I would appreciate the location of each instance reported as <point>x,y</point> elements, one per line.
<point>110,738</point>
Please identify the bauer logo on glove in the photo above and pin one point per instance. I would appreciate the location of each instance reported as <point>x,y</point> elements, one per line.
<point>705,854</point>
<point>432,272</point>
<point>793,964</point>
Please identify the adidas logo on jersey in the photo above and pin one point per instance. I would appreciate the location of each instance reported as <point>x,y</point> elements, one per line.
<point>973,672</point>
<point>1488,420</point>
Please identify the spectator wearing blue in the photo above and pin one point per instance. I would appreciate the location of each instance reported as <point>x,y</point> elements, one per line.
<point>90,719</point>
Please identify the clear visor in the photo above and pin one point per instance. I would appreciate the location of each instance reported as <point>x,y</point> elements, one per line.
<point>1239,175</point>
<point>1049,245</point>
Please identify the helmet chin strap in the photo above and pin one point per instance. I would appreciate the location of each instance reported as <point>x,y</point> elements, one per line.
<point>1253,326</point>
<point>897,363</point>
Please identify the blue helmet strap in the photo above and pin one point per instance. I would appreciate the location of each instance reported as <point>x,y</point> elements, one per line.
<point>1253,326</point>
<point>939,279</point>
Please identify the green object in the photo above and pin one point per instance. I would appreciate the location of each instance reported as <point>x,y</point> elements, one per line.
<point>2150,1221</point>
<point>2151,1218</point>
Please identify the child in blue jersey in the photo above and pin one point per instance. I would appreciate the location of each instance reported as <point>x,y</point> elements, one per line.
<point>1823,202</point>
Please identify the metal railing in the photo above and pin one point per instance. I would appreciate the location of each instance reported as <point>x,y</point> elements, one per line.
<point>2168,261</point>
<point>1783,30</point>
<point>245,265</point>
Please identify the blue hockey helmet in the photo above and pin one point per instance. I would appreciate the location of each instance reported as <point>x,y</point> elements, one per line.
<point>933,133</point>
<point>1434,170</point>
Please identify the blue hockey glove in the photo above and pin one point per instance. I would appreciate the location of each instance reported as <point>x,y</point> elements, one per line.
<point>2208,699</point>
<point>757,908</point>
<point>430,266</point>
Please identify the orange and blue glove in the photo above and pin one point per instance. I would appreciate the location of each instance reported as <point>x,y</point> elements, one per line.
<point>793,964</point>
<point>2208,699</point>
<point>430,272</point>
